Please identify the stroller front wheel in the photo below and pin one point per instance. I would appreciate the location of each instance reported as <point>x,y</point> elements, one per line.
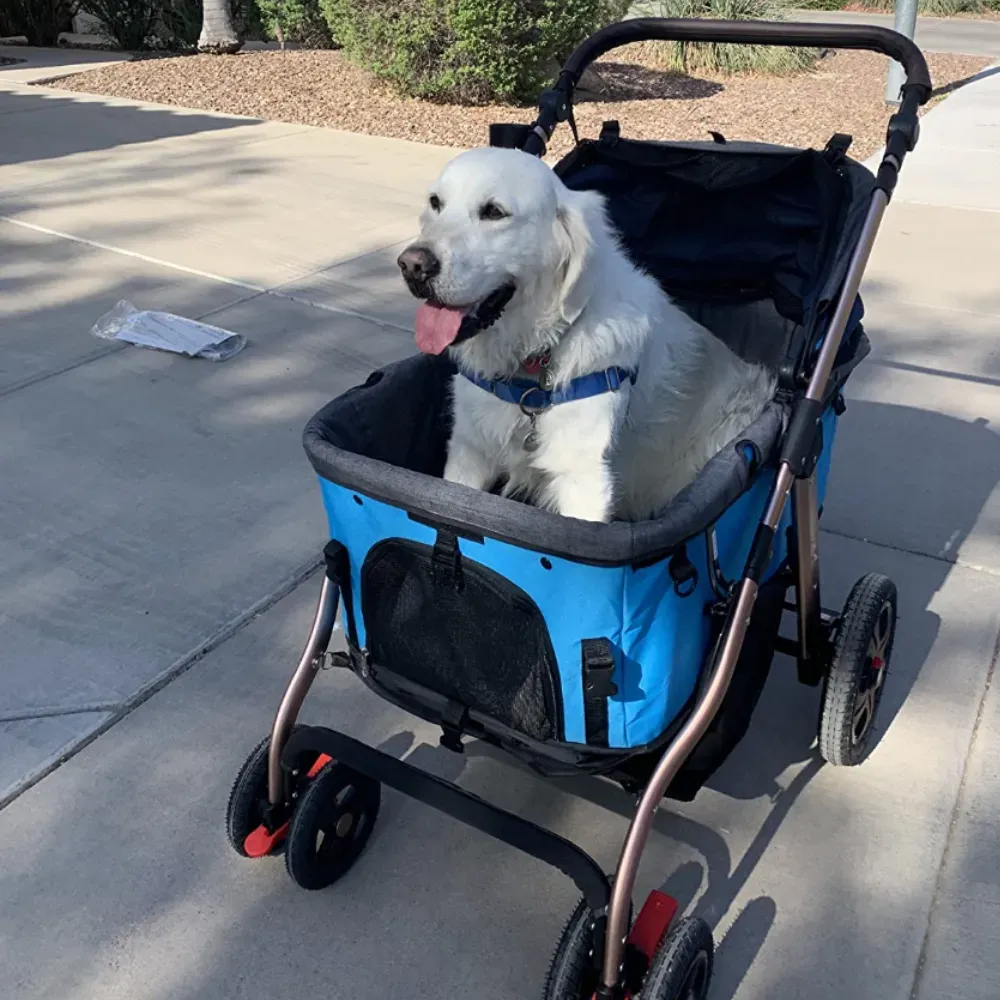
<point>682,966</point>
<point>853,689</point>
<point>247,806</point>
<point>331,825</point>
<point>573,972</point>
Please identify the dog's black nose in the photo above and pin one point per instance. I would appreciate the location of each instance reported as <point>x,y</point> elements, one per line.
<point>418,264</point>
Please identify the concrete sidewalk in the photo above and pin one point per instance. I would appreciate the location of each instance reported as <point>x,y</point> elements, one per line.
<point>33,65</point>
<point>162,516</point>
<point>159,502</point>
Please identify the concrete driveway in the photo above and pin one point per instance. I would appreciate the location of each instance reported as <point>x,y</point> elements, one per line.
<point>156,514</point>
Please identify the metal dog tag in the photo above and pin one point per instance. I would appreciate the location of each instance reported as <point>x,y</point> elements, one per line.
<point>531,440</point>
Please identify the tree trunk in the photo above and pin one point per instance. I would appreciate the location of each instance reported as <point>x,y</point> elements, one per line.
<point>217,31</point>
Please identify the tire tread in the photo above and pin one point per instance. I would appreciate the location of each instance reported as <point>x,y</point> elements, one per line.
<point>685,940</point>
<point>861,611</point>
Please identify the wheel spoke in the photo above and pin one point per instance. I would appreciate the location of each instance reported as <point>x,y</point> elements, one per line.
<point>880,677</point>
<point>864,709</point>
<point>881,633</point>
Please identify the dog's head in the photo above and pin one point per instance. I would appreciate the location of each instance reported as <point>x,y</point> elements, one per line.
<point>503,251</point>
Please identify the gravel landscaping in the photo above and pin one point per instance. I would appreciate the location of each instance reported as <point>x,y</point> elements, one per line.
<point>843,94</point>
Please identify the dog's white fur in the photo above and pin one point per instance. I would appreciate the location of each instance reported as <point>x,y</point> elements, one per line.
<point>620,454</point>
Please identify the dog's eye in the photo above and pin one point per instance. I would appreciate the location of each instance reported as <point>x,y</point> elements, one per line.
<point>491,211</point>
<point>435,202</point>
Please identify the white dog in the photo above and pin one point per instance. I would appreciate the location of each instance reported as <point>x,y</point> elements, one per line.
<point>524,283</point>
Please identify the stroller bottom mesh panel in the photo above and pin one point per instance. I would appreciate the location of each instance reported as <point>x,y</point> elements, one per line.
<point>462,630</point>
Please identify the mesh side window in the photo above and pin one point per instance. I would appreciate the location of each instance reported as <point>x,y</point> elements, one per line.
<point>479,640</point>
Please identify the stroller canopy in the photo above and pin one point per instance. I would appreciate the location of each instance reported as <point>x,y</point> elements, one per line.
<point>753,240</point>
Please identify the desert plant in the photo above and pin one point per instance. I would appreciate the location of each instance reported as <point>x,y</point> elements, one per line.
<point>128,23</point>
<point>471,51</point>
<point>10,13</point>
<point>296,21</point>
<point>40,21</point>
<point>936,8</point>
<point>711,57</point>
<point>179,24</point>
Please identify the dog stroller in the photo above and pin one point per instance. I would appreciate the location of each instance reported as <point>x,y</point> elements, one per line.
<point>635,652</point>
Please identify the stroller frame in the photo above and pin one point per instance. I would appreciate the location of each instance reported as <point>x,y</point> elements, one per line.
<point>610,899</point>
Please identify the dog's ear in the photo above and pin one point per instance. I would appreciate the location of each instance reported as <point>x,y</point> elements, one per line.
<point>581,223</point>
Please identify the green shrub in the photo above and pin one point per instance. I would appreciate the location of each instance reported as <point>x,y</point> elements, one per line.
<point>128,23</point>
<point>711,57</point>
<point>179,24</point>
<point>10,23</point>
<point>298,21</point>
<point>40,21</point>
<point>470,51</point>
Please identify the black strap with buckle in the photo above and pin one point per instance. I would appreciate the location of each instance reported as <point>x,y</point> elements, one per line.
<point>598,686</point>
<point>446,561</point>
<point>453,720</point>
<point>338,570</point>
<point>837,147</point>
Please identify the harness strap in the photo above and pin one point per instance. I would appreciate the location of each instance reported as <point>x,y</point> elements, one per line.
<point>530,395</point>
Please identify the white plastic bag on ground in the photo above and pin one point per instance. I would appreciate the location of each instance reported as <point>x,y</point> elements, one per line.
<point>164,331</point>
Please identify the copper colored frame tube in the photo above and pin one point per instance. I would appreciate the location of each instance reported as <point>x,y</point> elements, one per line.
<point>298,686</point>
<point>735,631</point>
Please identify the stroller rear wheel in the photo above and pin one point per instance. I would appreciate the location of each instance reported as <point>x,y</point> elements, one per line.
<point>332,823</point>
<point>853,689</point>
<point>573,972</point>
<point>680,967</point>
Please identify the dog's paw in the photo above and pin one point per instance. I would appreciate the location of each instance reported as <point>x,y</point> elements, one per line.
<point>584,508</point>
<point>468,468</point>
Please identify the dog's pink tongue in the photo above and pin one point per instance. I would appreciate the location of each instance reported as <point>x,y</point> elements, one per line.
<point>437,327</point>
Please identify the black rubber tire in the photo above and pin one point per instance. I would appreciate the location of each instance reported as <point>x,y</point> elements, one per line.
<point>243,810</point>
<point>572,972</point>
<point>870,609</point>
<point>572,975</point>
<point>682,966</point>
<point>249,793</point>
<point>331,826</point>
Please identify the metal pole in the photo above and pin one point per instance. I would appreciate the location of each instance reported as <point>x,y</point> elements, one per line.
<point>906,24</point>
<point>298,686</point>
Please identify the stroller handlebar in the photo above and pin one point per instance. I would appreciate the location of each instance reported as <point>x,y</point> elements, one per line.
<point>839,36</point>
<point>556,104</point>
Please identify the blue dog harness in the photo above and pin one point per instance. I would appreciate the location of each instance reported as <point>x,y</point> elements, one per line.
<point>533,399</point>
<point>531,396</point>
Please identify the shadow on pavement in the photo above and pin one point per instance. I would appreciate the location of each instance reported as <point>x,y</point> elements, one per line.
<point>68,123</point>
